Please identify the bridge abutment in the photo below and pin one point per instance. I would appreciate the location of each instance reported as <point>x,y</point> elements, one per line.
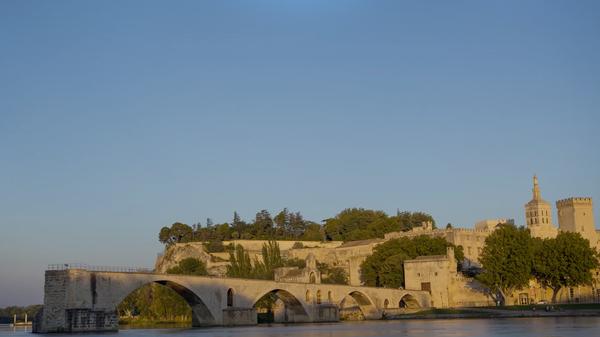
<point>69,305</point>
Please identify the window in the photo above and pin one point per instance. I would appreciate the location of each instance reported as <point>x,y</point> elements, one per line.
<point>318,296</point>
<point>386,303</point>
<point>230,297</point>
<point>308,296</point>
<point>426,286</point>
<point>329,297</point>
<point>523,298</point>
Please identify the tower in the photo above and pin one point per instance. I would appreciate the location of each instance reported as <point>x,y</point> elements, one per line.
<point>538,214</point>
<point>577,215</point>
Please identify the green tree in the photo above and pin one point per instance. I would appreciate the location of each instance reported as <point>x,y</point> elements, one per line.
<point>155,302</point>
<point>507,261</point>
<point>565,261</point>
<point>214,246</point>
<point>263,225</point>
<point>282,223</point>
<point>297,224</point>
<point>332,275</point>
<point>359,224</point>
<point>178,232</point>
<point>165,236</point>
<point>189,266</point>
<point>346,224</point>
<point>240,228</point>
<point>312,232</point>
<point>384,268</point>
<point>240,264</point>
<point>271,259</point>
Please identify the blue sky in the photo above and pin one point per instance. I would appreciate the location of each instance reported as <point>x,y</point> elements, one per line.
<point>117,118</point>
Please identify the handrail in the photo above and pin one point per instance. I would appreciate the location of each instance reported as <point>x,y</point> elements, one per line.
<point>87,267</point>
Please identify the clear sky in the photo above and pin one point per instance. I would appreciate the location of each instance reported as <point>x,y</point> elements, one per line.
<point>120,117</point>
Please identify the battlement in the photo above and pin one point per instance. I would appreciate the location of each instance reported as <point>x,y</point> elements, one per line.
<point>574,201</point>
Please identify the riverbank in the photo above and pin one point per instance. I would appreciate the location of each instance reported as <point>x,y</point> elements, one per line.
<point>563,310</point>
<point>141,323</point>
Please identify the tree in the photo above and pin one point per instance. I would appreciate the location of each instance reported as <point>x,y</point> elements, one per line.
<point>214,246</point>
<point>239,226</point>
<point>239,263</point>
<point>297,224</point>
<point>565,261</point>
<point>164,236</point>
<point>359,224</point>
<point>312,232</point>
<point>506,260</point>
<point>332,275</point>
<point>351,220</point>
<point>263,225</point>
<point>384,268</point>
<point>282,222</point>
<point>271,259</point>
<point>179,232</point>
<point>189,266</point>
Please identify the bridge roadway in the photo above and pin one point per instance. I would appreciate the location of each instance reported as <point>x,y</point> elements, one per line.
<point>78,300</point>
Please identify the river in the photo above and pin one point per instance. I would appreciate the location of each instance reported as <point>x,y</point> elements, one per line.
<point>521,327</point>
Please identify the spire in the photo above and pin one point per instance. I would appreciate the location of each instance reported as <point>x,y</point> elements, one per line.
<point>536,188</point>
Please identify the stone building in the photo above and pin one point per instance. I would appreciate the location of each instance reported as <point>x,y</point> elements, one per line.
<point>577,215</point>
<point>538,215</point>
<point>308,274</point>
<point>439,275</point>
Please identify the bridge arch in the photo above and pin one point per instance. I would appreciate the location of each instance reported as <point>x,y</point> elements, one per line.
<point>201,315</point>
<point>293,310</point>
<point>365,304</point>
<point>408,301</point>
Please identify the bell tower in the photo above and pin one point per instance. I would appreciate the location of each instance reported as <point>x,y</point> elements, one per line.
<point>538,214</point>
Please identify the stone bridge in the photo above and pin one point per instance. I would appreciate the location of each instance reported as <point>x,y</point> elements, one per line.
<point>78,300</point>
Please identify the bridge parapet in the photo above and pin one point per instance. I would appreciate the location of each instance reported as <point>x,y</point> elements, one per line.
<point>87,267</point>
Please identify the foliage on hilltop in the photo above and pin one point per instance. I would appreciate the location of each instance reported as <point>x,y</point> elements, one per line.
<point>349,224</point>
<point>285,225</point>
<point>385,267</point>
<point>359,224</point>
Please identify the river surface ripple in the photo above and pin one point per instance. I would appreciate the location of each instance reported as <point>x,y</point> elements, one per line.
<point>522,327</point>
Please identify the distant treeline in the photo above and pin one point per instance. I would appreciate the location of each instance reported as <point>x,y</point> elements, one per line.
<point>350,224</point>
<point>30,310</point>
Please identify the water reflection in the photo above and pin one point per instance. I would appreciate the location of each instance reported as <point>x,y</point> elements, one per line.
<point>522,327</point>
